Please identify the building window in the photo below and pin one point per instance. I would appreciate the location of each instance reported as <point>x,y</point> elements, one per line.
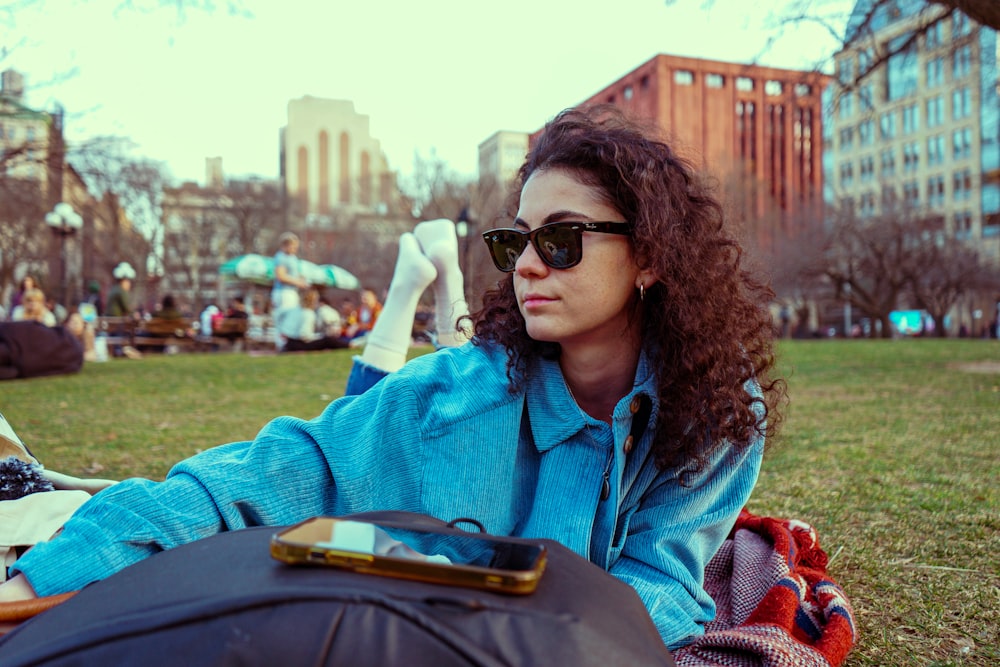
<point>644,82</point>
<point>962,185</point>
<point>933,35</point>
<point>845,70</point>
<point>865,58</point>
<point>961,141</point>
<point>888,162</point>
<point>935,72</point>
<point>846,105</point>
<point>911,119</point>
<point>846,174</point>
<point>627,93</point>
<point>772,87</point>
<point>935,111</point>
<point>715,80</point>
<point>887,125</point>
<point>866,132</point>
<point>846,137</point>
<point>803,90</point>
<point>867,169</point>
<point>959,24</point>
<point>902,69</point>
<point>744,84</point>
<point>865,98</point>
<point>935,191</point>
<point>683,77</point>
<point>911,193</point>
<point>911,156</point>
<point>30,134</point>
<point>961,61</point>
<point>961,103</point>
<point>935,149</point>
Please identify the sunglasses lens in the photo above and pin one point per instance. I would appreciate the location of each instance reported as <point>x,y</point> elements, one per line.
<point>559,246</point>
<point>505,247</point>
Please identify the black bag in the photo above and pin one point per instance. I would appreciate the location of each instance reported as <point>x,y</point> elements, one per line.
<point>224,600</point>
<point>31,349</point>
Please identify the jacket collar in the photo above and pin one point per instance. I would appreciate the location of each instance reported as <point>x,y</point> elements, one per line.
<point>553,414</point>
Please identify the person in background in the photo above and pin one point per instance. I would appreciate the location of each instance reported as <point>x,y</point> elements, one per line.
<point>168,309</point>
<point>120,296</point>
<point>33,308</point>
<point>93,298</point>
<point>27,283</point>
<point>120,305</point>
<point>328,319</point>
<point>84,333</point>
<point>368,313</point>
<point>614,397</point>
<point>300,329</point>
<point>288,279</point>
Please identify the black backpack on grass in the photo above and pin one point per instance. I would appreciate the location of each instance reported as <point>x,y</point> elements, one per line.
<point>224,600</point>
<point>31,349</point>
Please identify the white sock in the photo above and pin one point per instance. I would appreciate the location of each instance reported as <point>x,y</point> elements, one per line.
<point>389,340</point>
<point>440,245</point>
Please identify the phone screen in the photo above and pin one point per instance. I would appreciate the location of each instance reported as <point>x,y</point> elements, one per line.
<point>388,541</point>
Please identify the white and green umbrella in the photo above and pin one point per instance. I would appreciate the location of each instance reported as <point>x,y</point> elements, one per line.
<point>260,269</point>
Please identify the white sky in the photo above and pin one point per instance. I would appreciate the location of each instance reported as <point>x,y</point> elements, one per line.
<point>441,74</point>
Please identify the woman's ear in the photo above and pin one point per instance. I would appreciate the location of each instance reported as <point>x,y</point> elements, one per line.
<point>645,278</point>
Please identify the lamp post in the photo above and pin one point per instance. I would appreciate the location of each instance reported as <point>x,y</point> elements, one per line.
<point>64,222</point>
<point>464,228</point>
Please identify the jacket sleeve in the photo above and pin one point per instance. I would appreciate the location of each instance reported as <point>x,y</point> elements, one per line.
<point>292,470</point>
<point>676,531</point>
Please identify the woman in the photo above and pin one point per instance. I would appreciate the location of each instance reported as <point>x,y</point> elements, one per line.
<point>33,308</point>
<point>287,273</point>
<point>613,398</point>
<point>27,283</point>
<point>300,329</point>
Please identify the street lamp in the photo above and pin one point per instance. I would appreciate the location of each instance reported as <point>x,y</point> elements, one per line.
<point>63,221</point>
<point>464,228</point>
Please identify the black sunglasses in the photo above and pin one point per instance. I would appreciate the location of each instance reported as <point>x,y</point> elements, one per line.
<point>559,244</point>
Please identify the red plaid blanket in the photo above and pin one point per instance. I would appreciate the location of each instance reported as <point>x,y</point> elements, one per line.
<point>776,605</point>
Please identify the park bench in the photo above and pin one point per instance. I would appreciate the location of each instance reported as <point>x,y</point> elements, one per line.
<point>164,332</point>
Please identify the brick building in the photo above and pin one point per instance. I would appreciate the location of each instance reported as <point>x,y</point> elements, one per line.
<point>757,129</point>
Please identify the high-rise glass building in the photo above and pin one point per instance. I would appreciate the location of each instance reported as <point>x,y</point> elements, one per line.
<point>920,132</point>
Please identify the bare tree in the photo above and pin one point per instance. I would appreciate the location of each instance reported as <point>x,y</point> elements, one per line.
<point>865,21</point>
<point>21,239</point>
<point>943,270</point>
<point>130,190</point>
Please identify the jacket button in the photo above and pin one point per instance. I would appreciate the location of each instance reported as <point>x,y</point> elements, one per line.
<point>629,441</point>
<point>636,404</point>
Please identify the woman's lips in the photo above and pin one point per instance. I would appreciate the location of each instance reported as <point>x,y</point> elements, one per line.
<point>531,301</point>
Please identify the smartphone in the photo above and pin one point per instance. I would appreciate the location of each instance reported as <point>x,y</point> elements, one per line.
<point>447,556</point>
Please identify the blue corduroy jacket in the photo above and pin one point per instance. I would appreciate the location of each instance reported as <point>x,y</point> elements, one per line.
<point>443,436</point>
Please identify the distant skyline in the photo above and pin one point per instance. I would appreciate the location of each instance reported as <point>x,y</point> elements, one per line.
<point>441,75</point>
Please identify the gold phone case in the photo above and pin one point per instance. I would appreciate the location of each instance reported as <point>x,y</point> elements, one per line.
<point>309,543</point>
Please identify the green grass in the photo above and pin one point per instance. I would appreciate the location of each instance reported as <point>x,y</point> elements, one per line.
<point>891,449</point>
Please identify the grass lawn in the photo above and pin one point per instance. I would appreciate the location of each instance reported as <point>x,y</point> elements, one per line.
<point>891,449</point>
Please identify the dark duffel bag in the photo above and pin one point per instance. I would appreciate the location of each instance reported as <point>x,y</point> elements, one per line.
<point>224,600</point>
<point>31,349</point>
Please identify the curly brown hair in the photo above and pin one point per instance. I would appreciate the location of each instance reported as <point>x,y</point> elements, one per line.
<point>705,322</point>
